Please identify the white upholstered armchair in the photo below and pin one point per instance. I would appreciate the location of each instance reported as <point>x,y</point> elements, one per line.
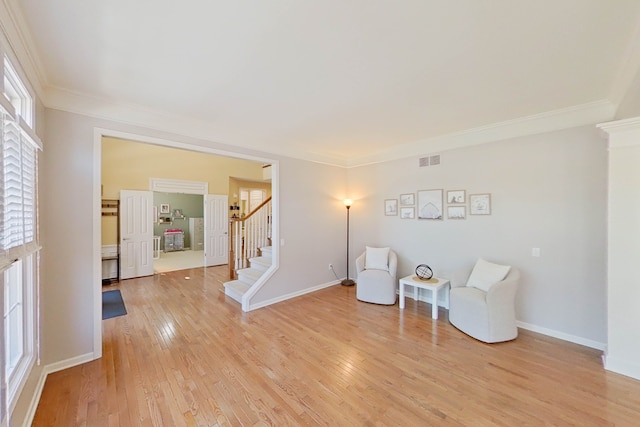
<point>481,302</point>
<point>376,280</point>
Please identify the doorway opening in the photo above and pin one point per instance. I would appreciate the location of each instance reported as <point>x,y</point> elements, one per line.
<point>178,231</point>
<point>190,206</point>
<point>202,163</point>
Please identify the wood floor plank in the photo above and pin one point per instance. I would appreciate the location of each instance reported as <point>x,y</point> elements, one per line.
<point>185,355</point>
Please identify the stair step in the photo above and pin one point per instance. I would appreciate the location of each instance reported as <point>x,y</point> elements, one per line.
<point>249,275</point>
<point>260,263</point>
<point>266,251</point>
<point>235,289</point>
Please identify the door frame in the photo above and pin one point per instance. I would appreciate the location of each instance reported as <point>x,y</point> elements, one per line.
<point>98,134</point>
<point>200,188</point>
<point>167,185</point>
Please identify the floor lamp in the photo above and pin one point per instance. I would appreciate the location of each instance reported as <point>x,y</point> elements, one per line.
<point>347,281</point>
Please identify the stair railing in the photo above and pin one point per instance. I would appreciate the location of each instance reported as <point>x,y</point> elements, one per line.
<point>247,235</point>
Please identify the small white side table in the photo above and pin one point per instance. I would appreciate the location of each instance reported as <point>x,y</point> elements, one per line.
<point>434,285</point>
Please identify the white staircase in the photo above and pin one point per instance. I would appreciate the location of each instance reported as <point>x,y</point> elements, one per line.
<point>248,276</point>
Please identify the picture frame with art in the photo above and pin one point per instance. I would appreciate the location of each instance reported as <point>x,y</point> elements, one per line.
<point>430,204</point>
<point>407,212</point>
<point>391,207</point>
<point>164,208</point>
<point>407,199</point>
<point>456,197</point>
<point>456,212</point>
<point>480,204</point>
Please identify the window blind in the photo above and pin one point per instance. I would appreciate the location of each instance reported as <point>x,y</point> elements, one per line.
<point>18,188</point>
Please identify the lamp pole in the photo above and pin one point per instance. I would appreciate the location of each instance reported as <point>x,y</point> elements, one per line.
<point>347,281</point>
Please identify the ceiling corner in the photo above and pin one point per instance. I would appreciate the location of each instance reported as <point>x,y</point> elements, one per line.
<point>22,46</point>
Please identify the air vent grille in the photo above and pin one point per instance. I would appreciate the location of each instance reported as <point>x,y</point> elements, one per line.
<point>429,160</point>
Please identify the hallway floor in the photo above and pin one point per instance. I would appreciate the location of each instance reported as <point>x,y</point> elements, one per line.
<point>178,260</point>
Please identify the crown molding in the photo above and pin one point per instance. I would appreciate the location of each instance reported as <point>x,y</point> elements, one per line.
<point>578,115</point>
<point>21,45</point>
<point>135,115</point>
<point>622,133</point>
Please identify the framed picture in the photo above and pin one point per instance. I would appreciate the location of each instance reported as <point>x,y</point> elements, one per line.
<point>480,204</point>
<point>164,208</point>
<point>455,197</point>
<point>391,207</point>
<point>456,212</point>
<point>407,213</point>
<point>430,204</point>
<point>407,199</point>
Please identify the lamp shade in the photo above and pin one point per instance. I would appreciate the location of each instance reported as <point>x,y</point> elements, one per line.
<point>348,202</point>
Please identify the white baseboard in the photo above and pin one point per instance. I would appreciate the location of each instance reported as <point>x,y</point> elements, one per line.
<point>69,363</point>
<point>49,369</point>
<point>528,326</point>
<point>292,295</point>
<point>563,336</point>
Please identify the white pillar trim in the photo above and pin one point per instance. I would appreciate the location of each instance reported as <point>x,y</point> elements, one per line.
<point>622,133</point>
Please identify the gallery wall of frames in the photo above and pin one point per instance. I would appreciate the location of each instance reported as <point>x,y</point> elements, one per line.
<point>438,204</point>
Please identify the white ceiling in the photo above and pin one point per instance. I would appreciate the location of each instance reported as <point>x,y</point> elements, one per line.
<point>338,81</point>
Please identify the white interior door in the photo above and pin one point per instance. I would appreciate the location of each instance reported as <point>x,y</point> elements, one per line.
<point>216,230</point>
<point>136,233</point>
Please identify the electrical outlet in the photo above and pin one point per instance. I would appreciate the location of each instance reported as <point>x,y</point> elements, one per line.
<point>330,266</point>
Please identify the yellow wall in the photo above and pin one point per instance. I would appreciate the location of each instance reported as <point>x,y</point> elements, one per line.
<point>235,184</point>
<point>128,165</point>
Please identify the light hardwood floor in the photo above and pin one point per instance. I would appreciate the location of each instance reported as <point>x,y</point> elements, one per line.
<point>184,355</point>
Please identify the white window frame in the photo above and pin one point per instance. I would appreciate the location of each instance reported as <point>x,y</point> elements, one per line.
<point>247,194</point>
<point>16,376</point>
<point>17,93</point>
<point>17,114</point>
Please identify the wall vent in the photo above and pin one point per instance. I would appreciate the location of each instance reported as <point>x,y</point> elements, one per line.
<point>429,161</point>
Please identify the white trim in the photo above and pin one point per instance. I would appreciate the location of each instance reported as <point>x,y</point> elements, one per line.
<point>578,115</point>
<point>109,133</point>
<point>621,366</point>
<point>8,106</point>
<point>291,295</point>
<point>574,116</point>
<point>97,244</point>
<point>50,369</point>
<point>563,336</point>
<point>622,133</point>
<point>98,134</point>
<point>275,241</point>
<point>35,140</point>
<point>528,326</point>
<point>21,48</point>
<point>165,185</point>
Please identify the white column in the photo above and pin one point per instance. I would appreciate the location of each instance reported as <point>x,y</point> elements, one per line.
<point>623,248</point>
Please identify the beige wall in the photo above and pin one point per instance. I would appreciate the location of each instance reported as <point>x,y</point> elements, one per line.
<point>548,191</point>
<point>128,165</point>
